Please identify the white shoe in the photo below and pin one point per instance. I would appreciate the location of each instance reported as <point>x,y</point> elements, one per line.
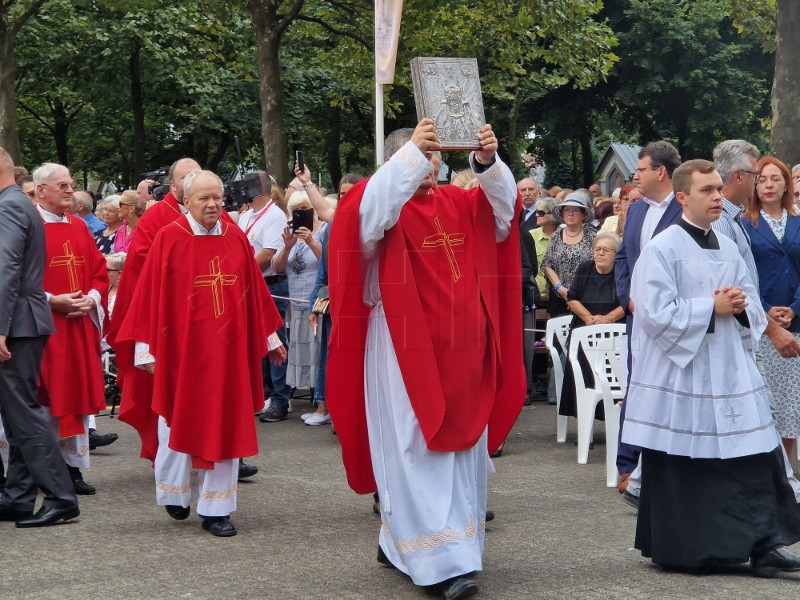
<point>306,416</point>
<point>268,403</point>
<point>318,419</point>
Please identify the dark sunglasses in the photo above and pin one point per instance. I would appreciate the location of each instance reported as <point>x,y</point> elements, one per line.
<point>541,213</point>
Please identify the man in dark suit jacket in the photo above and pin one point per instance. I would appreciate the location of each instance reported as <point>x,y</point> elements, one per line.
<point>25,324</point>
<point>645,219</point>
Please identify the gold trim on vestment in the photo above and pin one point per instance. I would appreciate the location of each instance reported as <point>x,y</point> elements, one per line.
<point>447,241</point>
<point>435,540</point>
<point>69,260</point>
<point>172,489</point>
<point>219,495</point>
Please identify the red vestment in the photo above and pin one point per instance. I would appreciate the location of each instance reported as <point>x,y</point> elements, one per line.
<point>72,374</point>
<point>202,305</point>
<point>452,298</point>
<point>137,385</point>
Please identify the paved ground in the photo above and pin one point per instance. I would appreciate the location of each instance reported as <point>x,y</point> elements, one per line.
<point>559,532</point>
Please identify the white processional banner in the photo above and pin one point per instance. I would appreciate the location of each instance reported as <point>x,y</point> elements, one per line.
<point>387,36</point>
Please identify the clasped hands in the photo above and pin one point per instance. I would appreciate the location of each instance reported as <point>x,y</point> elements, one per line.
<point>76,304</point>
<point>427,140</point>
<point>729,301</point>
<point>782,315</point>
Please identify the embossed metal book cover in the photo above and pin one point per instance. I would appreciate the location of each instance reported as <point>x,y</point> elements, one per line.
<point>448,90</point>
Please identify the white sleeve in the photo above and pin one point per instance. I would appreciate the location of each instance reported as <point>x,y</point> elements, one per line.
<point>142,355</point>
<point>99,313</point>
<point>500,188</point>
<point>387,192</point>
<point>676,323</point>
<point>273,342</point>
<point>270,234</point>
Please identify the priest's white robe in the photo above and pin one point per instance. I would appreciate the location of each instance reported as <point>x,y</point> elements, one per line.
<point>433,504</point>
<point>694,393</point>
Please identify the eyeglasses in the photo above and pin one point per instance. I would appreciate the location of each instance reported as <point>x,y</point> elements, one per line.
<point>749,172</point>
<point>641,170</point>
<point>126,204</point>
<point>603,250</point>
<point>64,186</point>
<point>541,213</point>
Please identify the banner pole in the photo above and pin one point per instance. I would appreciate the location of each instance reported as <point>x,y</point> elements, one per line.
<point>379,135</point>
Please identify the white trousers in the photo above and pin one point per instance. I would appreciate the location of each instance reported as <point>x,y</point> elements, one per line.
<point>177,483</point>
<point>433,504</point>
<point>75,449</point>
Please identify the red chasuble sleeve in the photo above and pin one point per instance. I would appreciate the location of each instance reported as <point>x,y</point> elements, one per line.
<point>452,300</point>
<point>204,309</point>
<point>72,374</point>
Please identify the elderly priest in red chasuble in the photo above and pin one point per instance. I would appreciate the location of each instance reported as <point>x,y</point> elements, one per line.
<point>202,319</point>
<point>76,284</point>
<point>425,371</point>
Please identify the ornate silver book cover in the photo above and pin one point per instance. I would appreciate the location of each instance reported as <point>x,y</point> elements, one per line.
<point>448,90</point>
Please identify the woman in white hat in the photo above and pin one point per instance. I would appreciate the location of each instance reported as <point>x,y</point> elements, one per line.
<point>569,247</point>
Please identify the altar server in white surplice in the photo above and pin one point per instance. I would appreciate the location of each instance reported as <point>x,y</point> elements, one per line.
<point>714,488</point>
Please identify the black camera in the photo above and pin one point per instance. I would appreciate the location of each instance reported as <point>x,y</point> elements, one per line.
<point>242,191</point>
<point>160,182</point>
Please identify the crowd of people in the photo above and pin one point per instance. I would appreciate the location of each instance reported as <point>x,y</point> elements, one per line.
<point>699,259</point>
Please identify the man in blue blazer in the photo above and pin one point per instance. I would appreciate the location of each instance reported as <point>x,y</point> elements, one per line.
<point>645,219</point>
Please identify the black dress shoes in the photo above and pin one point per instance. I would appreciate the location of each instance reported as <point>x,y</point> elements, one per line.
<point>630,499</point>
<point>458,587</point>
<point>98,440</point>
<point>11,514</point>
<point>48,515</point>
<point>219,526</point>
<point>383,559</point>
<point>82,488</point>
<point>776,561</point>
<point>246,470</point>
<point>179,513</point>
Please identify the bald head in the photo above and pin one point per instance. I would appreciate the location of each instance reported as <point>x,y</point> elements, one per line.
<point>180,169</point>
<point>82,203</point>
<point>6,169</point>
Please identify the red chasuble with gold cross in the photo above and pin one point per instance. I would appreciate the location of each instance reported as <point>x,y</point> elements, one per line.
<point>203,307</point>
<point>452,298</point>
<point>133,381</point>
<point>72,374</point>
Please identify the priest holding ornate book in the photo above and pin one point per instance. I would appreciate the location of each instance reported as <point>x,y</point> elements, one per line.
<point>425,373</point>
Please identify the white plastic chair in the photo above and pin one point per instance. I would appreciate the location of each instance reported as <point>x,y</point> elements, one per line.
<point>601,346</point>
<point>556,333</point>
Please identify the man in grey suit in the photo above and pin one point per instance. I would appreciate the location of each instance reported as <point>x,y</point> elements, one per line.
<point>25,324</point>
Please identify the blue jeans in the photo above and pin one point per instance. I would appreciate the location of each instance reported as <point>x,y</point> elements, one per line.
<point>323,321</point>
<point>280,391</point>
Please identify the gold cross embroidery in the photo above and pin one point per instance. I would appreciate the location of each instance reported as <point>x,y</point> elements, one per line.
<point>216,279</point>
<point>69,260</point>
<point>447,241</point>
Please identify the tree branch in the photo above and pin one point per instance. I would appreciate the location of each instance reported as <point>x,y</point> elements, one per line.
<point>339,32</point>
<point>24,17</point>
<point>35,116</point>
<point>290,16</point>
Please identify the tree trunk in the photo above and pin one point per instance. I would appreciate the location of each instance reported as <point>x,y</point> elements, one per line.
<point>273,131</point>
<point>512,147</point>
<point>137,109</point>
<point>60,130</point>
<point>332,150</point>
<point>9,127</point>
<point>786,84</point>
<point>587,160</point>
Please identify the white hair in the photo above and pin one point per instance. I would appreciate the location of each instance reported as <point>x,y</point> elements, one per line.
<point>113,200</point>
<point>733,155</point>
<point>43,173</point>
<point>296,199</point>
<point>608,235</point>
<point>188,181</point>
<point>332,200</point>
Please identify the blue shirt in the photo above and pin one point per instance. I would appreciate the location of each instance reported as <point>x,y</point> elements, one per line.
<point>95,224</point>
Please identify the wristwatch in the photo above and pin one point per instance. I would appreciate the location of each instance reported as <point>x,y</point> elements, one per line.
<point>307,185</point>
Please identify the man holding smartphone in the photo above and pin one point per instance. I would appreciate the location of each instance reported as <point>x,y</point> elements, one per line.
<point>263,226</point>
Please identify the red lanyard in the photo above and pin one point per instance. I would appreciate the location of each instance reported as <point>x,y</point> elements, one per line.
<point>257,217</point>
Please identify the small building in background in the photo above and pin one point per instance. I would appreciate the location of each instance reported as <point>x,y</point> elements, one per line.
<point>616,167</point>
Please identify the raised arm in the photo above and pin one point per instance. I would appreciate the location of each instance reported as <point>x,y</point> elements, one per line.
<point>496,180</point>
